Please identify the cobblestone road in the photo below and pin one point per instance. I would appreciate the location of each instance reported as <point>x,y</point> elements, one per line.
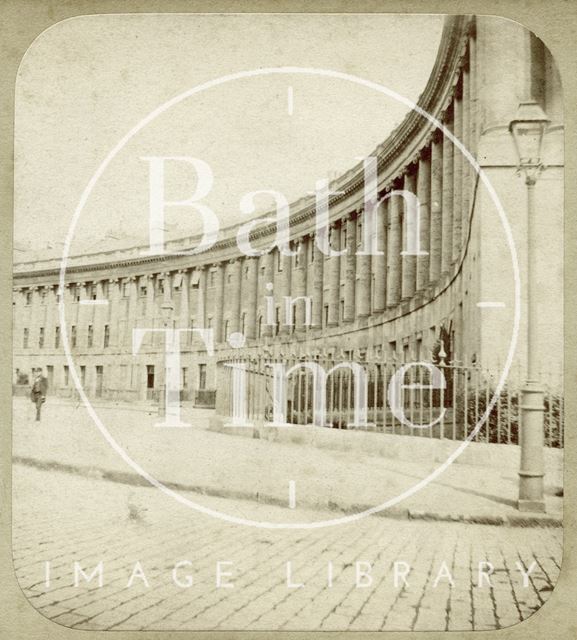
<point>377,573</point>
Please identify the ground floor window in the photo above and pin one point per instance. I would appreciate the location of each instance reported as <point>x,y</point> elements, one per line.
<point>202,376</point>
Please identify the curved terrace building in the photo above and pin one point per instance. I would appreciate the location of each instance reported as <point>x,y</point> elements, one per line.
<point>453,304</point>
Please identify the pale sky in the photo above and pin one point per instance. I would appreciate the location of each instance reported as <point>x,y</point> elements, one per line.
<point>85,82</point>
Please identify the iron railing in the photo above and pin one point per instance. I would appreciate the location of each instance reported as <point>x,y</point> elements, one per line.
<point>453,412</point>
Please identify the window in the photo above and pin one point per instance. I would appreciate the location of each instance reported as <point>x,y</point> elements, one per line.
<point>342,310</point>
<point>125,289</point>
<point>106,335</point>
<point>209,322</point>
<point>359,234</point>
<point>311,246</point>
<point>150,376</point>
<point>344,238</point>
<point>201,377</point>
<point>260,326</point>
<point>184,378</point>
<point>278,261</point>
<point>43,296</point>
<point>73,335</point>
<point>25,337</point>
<point>242,323</point>
<point>57,337</point>
<point>161,286</point>
<point>92,292</point>
<point>326,315</point>
<point>104,287</point>
<point>418,349</point>
<point>28,298</point>
<point>246,273</point>
<point>276,320</point>
<point>76,293</point>
<point>213,278</point>
<point>90,335</point>
<point>226,330</point>
<point>229,278</point>
<point>82,375</point>
<point>143,290</point>
<point>393,349</point>
<point>41,338</point>
<point>297,256</point>
<point>66,375</point>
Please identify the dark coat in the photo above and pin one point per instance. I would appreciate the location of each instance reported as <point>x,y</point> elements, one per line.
<point>39,389</point>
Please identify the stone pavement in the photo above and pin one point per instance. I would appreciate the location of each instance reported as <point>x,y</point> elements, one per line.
<point>158,564</point>
<point>377,573</point>
<point>221,465</point>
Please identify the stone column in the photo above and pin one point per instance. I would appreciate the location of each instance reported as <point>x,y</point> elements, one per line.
<point>251,297</point>
<point>318,284</point>
<point>263,292</point>
<point>132,311</point>
<point>409,279</point>
<point>184,310</point>
<point>379,262</point>
<point>466,165</point>
<point>351,267</point>
<point>473,97</point>
<point>82,324</point>
<point>51,317</point>
<point>363,269</point>
<point>334,269</point>
<point>435,257</point>
<point>447,203</point>
<point>149,310</point>
<point>100,318</point>
<point>235,268</point>
<point>394,264</point>
<point>114,289</point>
<point>200,313</point>
<point>219,303</point>
<point>298,285</point>
<point>285,291</point>
<point>457,175</point>
<point>424,196</point>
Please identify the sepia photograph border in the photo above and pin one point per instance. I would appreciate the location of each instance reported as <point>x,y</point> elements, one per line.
<point>22,21</point>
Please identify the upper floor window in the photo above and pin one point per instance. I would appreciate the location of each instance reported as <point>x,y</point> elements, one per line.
<point>41,338</point>
<point>90,335</point>
<point>25,337</point>
<point>106,335</point>
<point>57,337</point>
<point>28,298</point>
<point>73,335</point>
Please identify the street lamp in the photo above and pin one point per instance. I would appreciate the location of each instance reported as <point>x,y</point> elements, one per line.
<point>166,310</point>
<point>528,128</point>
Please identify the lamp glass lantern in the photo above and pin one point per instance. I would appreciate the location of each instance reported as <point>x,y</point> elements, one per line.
<point>528,129</point>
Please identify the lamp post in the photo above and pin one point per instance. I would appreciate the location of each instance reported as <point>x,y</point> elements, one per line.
<point>528,128</point>
<point>166,310</point>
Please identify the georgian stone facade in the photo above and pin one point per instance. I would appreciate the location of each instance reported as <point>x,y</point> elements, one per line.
<point>388,306</point>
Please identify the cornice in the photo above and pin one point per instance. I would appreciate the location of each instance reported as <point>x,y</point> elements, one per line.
<point>408,139</point>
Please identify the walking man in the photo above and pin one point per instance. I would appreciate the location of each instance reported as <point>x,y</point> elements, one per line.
<point>38,392</point>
